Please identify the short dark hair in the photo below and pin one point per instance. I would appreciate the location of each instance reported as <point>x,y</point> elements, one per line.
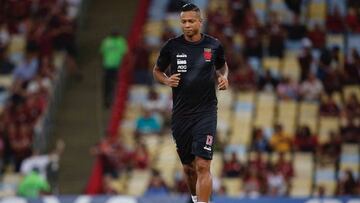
<point>190,7</point>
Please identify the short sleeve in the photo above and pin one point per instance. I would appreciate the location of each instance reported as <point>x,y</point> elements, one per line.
<point>220,57</point>
<point>164,58</point>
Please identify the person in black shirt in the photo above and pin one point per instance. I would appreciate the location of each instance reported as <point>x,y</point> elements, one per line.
<point>194,62</point>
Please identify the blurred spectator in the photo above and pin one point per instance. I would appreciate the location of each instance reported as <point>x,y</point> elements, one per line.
<point>352,21</point>
<point>113,49</point>
<point>329,152</point>
<point>20,143</point>
<point>4,36</point>
<point>328,107</point>
<point>317,35</point>
<point>294,5</point>
<point>180,183</point>
<point>253,183</point>
<point>63,37</point>
<point>6,66</point>
<point>253,38</point>
<point>140,157</point>
<point>114,154</point>
<point>276,35</point>
<point>276,184</point>
<point>352,67</point>
<point>346,184</point>
<point>259,142</point>
<point>305,59</point>
<point>280,141</point>
<point>352,106</point>
<point>267,82</point>
<point>296,30</point>
<point>334,22</point>
<point>147,124</point>
<point>28,68</point>
<point>257,162</point>
<point>287,89</point>
<point>42,161</point>
<point>304,140</point>
<point>157,185</point>
<point>232,167</point>
<point>311,89</point>
<point>351,131</point>
<point>237,11</point>
<point>154,103</point>
<point>330,69</point>
<point>217,19</point>
<point>284,166</point>
<point>244,78</point>
<point>167,34</point>
<point>33,185</point>
<point>142,71</point>
<point>320,191</point>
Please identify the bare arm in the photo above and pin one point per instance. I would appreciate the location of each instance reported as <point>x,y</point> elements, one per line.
<point>172,81</point>
<point>222,75</point>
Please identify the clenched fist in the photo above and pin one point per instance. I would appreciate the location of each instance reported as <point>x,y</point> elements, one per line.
<point>173,80</point>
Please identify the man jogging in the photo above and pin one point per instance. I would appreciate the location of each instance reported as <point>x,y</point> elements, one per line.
<point>194,63</point>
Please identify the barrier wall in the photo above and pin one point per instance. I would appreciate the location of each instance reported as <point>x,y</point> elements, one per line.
<point>172,199</point>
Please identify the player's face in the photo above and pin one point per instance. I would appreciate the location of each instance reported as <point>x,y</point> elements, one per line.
<point>190,23</point>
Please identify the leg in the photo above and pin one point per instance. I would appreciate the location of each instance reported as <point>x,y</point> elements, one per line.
<point>204,180</point>
<point>191,177</point>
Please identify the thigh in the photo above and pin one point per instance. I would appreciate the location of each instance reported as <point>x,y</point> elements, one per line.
<point>182,135</point>
<point>204,133</point>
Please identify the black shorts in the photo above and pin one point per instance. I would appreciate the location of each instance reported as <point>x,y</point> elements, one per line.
<point>194,136</point>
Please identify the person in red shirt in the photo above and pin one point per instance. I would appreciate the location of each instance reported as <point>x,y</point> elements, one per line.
<point>253,183</point>
<point>285,167</point>
<point>352,21</point>
<point>328,107</point>
<point>140,157</point>
<point>335,22</point>
<point>244,78</point>
<point>304,140</point>
<point>317,35</point>
<point>20,142</point>
<point>232,167</point>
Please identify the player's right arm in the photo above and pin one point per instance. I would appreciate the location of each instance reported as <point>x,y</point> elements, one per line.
<point>160,76</point>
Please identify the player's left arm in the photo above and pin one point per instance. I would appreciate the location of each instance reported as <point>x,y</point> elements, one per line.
<point>222,76</point>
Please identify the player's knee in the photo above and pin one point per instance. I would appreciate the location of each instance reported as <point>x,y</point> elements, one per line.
<point>189,170</point>
<point>202,166</point>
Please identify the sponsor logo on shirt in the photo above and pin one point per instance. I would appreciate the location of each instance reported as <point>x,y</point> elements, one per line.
<point>207,54</point>
<point>181,63</point>
<point>182,55</point>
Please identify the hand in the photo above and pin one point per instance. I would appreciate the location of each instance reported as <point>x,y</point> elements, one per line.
<point>223,82</point>
<point>173,80</point>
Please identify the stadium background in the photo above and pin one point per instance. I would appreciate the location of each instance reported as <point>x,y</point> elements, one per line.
<point>320,160</point>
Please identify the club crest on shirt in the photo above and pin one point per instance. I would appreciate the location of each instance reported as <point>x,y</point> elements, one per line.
<point>207,54</point>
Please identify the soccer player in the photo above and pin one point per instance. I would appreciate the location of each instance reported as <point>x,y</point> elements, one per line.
<point>192,64</point>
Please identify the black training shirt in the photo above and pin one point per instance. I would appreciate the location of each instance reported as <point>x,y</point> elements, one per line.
<point>197,63</point>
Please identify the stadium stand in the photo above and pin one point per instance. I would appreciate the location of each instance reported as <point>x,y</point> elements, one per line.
<point>35,47</point>
<point>289,117</point>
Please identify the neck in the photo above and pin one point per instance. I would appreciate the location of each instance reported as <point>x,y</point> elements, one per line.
<point>194,38</point>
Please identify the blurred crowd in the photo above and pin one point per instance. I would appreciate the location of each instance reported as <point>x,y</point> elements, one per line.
<point>324,71</point>
<point>33,33</point>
